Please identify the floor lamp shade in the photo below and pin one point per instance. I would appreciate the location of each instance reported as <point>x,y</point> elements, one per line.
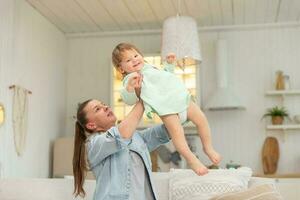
<point>180,36</point>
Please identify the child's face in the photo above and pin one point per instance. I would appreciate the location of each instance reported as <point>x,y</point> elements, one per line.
<point>132,61</point>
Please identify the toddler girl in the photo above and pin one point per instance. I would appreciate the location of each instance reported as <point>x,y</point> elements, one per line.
<point>166,95</point>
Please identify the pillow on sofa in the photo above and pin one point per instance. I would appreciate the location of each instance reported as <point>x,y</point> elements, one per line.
<point>262,192</point>
<point>184,184</point>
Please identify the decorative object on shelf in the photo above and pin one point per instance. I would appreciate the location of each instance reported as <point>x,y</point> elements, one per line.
<point>270,155</point>
<point>277,114</point>
<point>233,165</point>
<point>180,36</point>
<point>279,80</point>
<point>2,114</point>
<point>287,84</point>
<point>297,119</point>
<point>213,166</point>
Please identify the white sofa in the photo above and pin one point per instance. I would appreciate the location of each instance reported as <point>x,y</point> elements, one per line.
<point>62,188</point>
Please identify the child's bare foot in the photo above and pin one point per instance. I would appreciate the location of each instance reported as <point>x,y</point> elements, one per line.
<point>198,167</point>
<point>213,155</point>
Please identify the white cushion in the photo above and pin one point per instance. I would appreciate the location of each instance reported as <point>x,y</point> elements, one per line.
<point>261,192</point>
<point>184,184</point>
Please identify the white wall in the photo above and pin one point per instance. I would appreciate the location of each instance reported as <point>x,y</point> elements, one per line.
<point>254,56</point>
<point>33,55</point>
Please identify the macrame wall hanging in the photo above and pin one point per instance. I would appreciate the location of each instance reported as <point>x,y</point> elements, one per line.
<point>20,115</point>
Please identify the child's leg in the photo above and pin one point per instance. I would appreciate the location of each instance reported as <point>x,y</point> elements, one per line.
<point>175,129</point>
<point>198,118</point>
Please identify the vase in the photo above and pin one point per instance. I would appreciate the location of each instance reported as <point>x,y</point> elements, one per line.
<point>279,81</point>
<point>277,120</point>
<point>270,155</point>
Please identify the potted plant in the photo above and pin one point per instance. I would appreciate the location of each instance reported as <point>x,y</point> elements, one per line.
<point>277,114</point>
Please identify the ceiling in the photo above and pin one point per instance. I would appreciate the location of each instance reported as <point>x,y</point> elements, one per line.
<point>86,16</point>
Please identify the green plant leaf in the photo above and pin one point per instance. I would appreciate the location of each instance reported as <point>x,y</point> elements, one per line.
<point>276,111</point>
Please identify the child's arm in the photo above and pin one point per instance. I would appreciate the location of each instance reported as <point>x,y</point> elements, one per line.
<point>131,91</point>
<point>170,63</point>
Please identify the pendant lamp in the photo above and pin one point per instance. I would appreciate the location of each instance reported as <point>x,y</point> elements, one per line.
<point>180,36</point>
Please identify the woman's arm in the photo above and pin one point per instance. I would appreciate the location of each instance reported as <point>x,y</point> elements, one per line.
<point>116,138</point>
<point>131,121</point>
<point>155,136</point>
<point>100,146</point>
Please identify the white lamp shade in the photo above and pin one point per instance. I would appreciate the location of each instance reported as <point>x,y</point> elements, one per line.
<point>180,36</point>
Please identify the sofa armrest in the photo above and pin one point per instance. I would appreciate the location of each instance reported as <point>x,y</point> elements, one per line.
<point>255,181</point>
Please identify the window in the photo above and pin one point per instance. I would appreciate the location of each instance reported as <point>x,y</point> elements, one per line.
<point>188,75</point>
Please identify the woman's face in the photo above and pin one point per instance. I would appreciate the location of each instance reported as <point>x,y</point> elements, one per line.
<point>99,116</point>
<point>132,61</point>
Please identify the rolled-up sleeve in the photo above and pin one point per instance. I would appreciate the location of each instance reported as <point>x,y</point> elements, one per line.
<point>155,136</point>
<point>168,67</point>
<point>100,146</point>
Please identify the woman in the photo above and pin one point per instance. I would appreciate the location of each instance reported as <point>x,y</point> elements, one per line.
<point>118,155</point>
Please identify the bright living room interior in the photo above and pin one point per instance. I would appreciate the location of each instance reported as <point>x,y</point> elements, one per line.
<point>61,50</point>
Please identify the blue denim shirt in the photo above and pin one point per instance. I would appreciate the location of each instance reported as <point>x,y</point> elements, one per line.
<point>108,157</point>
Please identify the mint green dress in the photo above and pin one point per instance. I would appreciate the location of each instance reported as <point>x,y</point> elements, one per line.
<point>162,91</point>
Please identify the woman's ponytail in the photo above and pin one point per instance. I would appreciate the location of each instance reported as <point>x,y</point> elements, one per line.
<point>79,157</point>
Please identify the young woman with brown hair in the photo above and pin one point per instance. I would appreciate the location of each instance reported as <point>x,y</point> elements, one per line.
<point>118,155</point>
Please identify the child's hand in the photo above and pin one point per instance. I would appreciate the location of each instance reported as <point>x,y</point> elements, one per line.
<point>171,58</point>
<point>134,82</point>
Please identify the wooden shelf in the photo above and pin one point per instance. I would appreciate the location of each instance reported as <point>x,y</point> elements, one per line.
<point>282,92</point>
<point>278,175</point>
<point>284,127</point>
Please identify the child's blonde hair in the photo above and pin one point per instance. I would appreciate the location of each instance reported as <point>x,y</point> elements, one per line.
<point>118,51</point>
